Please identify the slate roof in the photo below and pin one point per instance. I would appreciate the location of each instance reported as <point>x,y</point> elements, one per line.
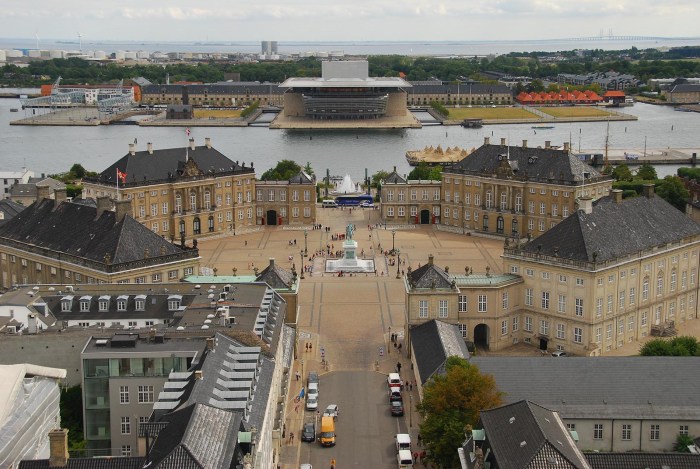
<point>429,276</point>
<point>133,462</point>
<point>217,88</point>
<point>601,387</point>
<point>168,164</point>
<point>275,276</point>
<point>9,209</point>
<point>526,435</point>
<point>301,178</point>
<point>394,178</point>
<point>544,164</point>
<point>685,88</point>
<point>74,230</point>
<point>29,189</point>
<point>197,436</point>
<point>643,460</point>
<point>433,342</point>
<point>613,230</point>
<point>463,89</point>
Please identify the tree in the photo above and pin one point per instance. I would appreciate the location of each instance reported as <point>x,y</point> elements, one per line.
<point>78,171</point>
<point>674,192</point>
<point>646,172</point>
<point>71,405</point>
<point>681,346</point>
<point>379,176</point>
<point>308,169</point>
<point>425,172</point>
<point>682,443</point>
<point>622,173</point>
<point>284,170</point>
<point>450,403</point>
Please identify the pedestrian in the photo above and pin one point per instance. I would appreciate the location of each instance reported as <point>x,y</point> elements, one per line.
<point>246,242</point>
<point>298,375</point>
<point>422,457</point>
<point>291,438</point>
<point>332,463</point>
<point>400,347</point>
<point>420,441</point>
<point>307,346</point>
<point>410,386</point>
<point>398,367</point>
<point>415,457</point>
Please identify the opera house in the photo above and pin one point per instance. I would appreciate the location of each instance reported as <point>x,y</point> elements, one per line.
<point>345,96</point>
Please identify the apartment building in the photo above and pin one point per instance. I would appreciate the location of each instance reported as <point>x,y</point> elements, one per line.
<point>291,202</point>
<point>410,202</point>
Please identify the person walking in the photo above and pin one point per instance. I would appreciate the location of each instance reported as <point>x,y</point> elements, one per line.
<point>332,463</point>
<point>291,438</point>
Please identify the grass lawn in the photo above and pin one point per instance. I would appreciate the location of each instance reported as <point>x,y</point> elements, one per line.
<point>574,111</point>
<point>217,113</point>
<point>490,113</point>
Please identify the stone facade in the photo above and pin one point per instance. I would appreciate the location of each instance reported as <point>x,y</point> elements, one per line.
<point>291,202</point>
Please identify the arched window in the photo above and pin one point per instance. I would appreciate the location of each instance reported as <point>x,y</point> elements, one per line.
<point>182,227</point>
<point>197,226</point>
<point>211,224</point>
<point>499,225</point>
<point>485,220</point>
<point>645,288</point>
<point>514,227</point>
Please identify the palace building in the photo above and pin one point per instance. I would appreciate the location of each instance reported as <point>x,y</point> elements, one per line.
<point>185,192</point>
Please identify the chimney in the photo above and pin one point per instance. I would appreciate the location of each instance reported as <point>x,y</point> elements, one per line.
<point>617,195</point>
<point>566,146</point>
<point>192,144</point>
<point>210,343</point>
<point>430,259</point>
<point>486,141</point>
<point>61,195</point>
<point>198,374</point>
<point>503,142</point>
<point>132,149</point>
<point>272,263</point>
<point>104,203</point>
<point>585,204</point>
<point>122,208</point>
<point>149,147</point>
<point>648,190</point>
<point>207,142</point>
<point>524,143</point>
<point>547,144</point>
<point>58,448</point>
<point>43,192</point>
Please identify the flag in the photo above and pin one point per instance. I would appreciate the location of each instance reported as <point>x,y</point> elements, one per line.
<point>121,176</point>
<point>187,131</point>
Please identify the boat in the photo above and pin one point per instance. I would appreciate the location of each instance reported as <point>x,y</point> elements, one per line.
<point>472,123</point>
<point>14,109</point>
<point>434,156</point>
<point>542,127</point>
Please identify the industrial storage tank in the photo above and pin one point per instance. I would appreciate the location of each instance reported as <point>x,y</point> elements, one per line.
<point>3,56</point>
<point>129,55</point>
<point>34,54</point>
<point>100,54</point>
<point>119,55</point>
<point>142,54</point>
<point>56,54</point>
<point>14,53</point>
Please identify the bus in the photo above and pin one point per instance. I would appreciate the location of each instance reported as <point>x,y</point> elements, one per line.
<point>352,200</point>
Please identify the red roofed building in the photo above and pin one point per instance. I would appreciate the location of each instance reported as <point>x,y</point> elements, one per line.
<point>614,97</point>
<point>564,97</point>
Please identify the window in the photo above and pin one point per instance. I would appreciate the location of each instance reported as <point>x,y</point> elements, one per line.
<point>504,327</point>
<point>621,300</point>
<point>645,317</point>
<point>423,309</point>
<point>529,272</point>
<point>126,450</point>
<point>126,425</point>
<point>598,334</point>
<point>659,284</point>
<point>632,293</point>
<point>545,275</point>
<point>562,304</point>
<point>462,303</point>
<point>463,330</point>
<point>442,309</point>
<point>626,432</point>
<point>674,275</point>
<point>544,327</point>
<point>154,210</point>
<point>528,297</point>
<point>514,269</point>
<point>84,305</point>
<point>528,324</point>
<point>504,300</point>
<point>482,303</point>
<point>578,335</point>
<point>562,278</point>
<point>654,432</point>
<point>146,394</point>
<point>518,202</point>
<point>599,281</point>
<point>516,324</point>
<point>543,208</point>
<point>402,212</point>
<point>123,394</point>
<point>156,277</point>
<point>545,300</point>
<point>531,207</point>
<point>684,279</point>
<point>683,430</point>
<point>630,323</point>
<point>561,331</point>
<point>645,288</point>
<point>608,331</point>
<point>598,431</point>
<point>610,304</point>
<point>579,307</point>
<point>121,304</point>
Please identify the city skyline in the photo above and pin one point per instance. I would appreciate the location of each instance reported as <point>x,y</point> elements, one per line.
<point>364,20</point>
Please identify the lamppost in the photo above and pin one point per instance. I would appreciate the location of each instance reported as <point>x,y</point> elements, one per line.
<point>301,254</point>
<point>393,237</point>
<point>398,265</point>
<point>306,234</point>
<point>410,410</point>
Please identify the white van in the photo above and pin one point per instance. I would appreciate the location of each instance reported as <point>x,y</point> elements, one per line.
<point>329,204</point>
<point>405,459</point>
<point>394,380</point>
<point>403,441</point>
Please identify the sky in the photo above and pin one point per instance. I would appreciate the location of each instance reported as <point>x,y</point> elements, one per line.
<point>347,20</point>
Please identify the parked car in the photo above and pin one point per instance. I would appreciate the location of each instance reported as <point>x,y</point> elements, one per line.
<point>312,390</point>
<point>559,353</point>
<point>366,204</point>
<point>394,379</point>
<point>308,433</point>
<point>331,411</point>
<point>312,402</point>
<point>313,378</point>
<point>306,466</point>
<point>396,408</point>
<point>395,394</point>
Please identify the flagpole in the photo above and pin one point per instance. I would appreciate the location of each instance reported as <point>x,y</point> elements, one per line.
<point>117,183</point>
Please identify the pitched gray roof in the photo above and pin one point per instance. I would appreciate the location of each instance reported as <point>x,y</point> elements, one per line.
<point>613,230</point>
<point>169,164</point>
<point>685,88</point>
<point>276,276</point>
<point>301,178</point>
<point>73,229</point>
<point>643,460</point>
<point>9,209</point>
<point>394,178</point>
<point>526,435</point>
<point>433,342</point>
<point>133,462</point>
<point>603,387</point>
<point>429,276</point>
<point>543,164</point>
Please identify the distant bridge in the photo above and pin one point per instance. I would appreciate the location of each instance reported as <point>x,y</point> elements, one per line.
<point>628,38</point>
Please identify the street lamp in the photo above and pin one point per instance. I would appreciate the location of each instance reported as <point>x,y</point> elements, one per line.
<point>410,410</point>
<point>393,238</point>
<point>306,234</point>
<point>301,254</point>
<point>398,265</point>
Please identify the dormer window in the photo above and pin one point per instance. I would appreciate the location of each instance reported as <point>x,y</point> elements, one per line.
<point>103,303</point>
<point>85,304</point>
<point>66,303</point>
<point>174,302</point>
<point>121,302</point>
<point>140,303</point>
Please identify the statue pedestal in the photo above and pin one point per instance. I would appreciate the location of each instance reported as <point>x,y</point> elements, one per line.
<point>349,262</point>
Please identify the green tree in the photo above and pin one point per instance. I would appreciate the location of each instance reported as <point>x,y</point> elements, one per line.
<point>681,346</point>
<point>656,348</point>
<point>284,170</point>
<point>308,169</point>
<point>682,443</point>
<point>674,192</point>
<point>425,172</point>
<point>450,403</point>
<point>77,171</point>
<point>646,172</point>
<point>622,173</point>
<point>379,176</point>
<point>71,404</point>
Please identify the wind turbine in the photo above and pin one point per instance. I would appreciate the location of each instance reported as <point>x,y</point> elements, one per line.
<point>80,41</point>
